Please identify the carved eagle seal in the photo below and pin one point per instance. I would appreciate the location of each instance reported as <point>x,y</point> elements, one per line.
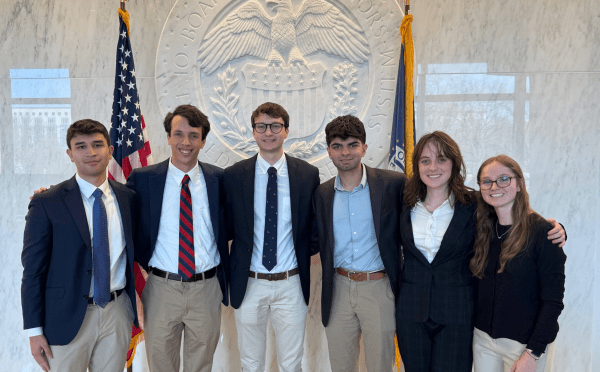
<point>283,40</point>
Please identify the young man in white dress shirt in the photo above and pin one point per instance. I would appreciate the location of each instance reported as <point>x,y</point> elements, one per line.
<point>269,216</point>
<point>182,244</point>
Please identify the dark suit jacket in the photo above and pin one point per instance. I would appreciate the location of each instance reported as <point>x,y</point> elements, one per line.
<point>57,259</point>
<point>386,190</point>
<point>443,288</point>
<point>239,195</point>
<point>149,183</point>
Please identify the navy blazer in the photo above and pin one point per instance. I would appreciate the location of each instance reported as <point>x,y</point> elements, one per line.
<point>57,259</point>
<point>385,189</point>
<point>442,289</point>
<point>149,182</point>
<point>239,195</point>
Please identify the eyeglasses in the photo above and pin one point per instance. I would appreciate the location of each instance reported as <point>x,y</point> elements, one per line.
<point>503,181</point>
<point>262,127</point>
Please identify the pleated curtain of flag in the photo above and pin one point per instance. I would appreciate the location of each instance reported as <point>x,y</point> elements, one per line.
<point>402,142</point>
<point>130,141</point>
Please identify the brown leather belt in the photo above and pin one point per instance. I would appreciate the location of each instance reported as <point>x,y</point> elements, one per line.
<point>360,276</point>
<point>194,278</point>
<point>272,277</point>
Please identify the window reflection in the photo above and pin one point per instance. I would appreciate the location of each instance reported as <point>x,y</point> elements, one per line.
<point>41,113</point>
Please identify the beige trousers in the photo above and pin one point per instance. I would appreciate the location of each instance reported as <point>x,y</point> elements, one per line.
<point>281,301</point>
<point>102,341</point>
<point>499,355</point>
<point>366,308</point>
<point>172,308</point>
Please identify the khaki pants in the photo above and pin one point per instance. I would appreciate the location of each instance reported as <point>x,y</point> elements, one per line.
<point>102,341</point>
<point>172,307</point>
<point>365,307</point>
<point>499,355</point>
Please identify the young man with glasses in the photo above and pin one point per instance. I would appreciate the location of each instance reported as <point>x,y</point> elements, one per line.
<point>269,216</point>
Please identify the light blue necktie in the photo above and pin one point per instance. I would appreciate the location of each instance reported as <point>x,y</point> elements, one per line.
<point>101,255</point>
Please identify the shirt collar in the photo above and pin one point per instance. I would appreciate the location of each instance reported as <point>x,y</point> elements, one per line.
<point>363,181</point>
<point>447,205</point>
<point>264,166</point>
<point>87,189</point>
<point>178,174</point>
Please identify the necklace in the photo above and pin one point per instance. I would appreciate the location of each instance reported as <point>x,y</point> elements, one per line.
<point>500,236</point>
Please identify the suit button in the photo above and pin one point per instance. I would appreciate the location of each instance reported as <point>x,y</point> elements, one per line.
<point>89,272</point>
<point>85,297</point>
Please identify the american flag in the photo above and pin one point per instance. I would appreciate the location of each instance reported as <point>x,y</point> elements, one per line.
<point>130,141</point>
<point>127,131</point>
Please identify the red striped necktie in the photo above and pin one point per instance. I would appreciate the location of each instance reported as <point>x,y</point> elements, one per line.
<point>187,262</point>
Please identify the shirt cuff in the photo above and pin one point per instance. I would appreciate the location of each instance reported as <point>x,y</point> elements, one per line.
<point>31,332</point>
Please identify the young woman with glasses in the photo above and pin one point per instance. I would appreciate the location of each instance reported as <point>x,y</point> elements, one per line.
<point>520,274</point>
<point>435,303</point>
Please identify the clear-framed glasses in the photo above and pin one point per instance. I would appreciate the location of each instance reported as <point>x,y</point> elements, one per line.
<point>503,181</point>
<point>262,127</point>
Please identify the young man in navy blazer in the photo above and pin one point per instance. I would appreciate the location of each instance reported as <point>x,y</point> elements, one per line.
<point>183,246</point>
<point>78,287</point>
<point>269,216</point>
<point>357,221</point>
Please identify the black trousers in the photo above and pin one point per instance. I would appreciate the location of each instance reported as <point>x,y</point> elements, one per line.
<point>432,347</point>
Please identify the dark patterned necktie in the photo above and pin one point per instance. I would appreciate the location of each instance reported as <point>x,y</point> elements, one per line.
<point>187,262</point>
<point>270,241</point>
<point>100,253</point>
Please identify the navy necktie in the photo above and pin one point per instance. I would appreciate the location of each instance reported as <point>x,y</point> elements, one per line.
<point>270,241</point>
<point>101,255</point>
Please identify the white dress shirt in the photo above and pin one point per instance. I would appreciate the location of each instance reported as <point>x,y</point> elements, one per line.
<point>116,236</point>
<point>429,228</point>
<point>166,251</point>
<point>286,255</point>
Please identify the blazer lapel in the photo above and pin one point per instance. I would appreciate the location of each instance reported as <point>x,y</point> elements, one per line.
<point>408,239</point>
<point>294,180</point>
<point>248,190</point>
<point>156,190</point>
<point>329,192</point>
<point>375,191</point>
<point>74,202</point>
<point>455,229</point>
<point>212,190</point>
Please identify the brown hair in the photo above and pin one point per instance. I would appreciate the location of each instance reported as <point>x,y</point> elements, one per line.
<point>416,190</point>
<point>486,217</point>
<point>195,118</point>
<point>272,110</point>
<point>344,127</point>
<point>86,127</point>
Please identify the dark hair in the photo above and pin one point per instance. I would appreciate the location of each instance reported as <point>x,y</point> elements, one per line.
<point>86,127</point>
<point>485,214</point>
<point>416,190</point>
<point>272,110</point>
<point>344,127</point>
<point>195,118</point>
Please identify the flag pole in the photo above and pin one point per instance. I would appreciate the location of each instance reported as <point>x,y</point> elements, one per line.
<point>123,5</point>
<point>407,7</point>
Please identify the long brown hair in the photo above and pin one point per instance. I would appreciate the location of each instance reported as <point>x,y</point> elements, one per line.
<point>416,190</point>
<point>518,234</point>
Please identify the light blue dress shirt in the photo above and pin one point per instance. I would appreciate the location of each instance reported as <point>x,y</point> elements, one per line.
<point>355,242</point>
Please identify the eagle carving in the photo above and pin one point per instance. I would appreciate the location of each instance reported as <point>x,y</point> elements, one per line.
<point>283,40</point>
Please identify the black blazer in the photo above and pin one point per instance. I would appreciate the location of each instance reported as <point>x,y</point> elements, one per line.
<point>239,195</point>
<point>149,183</point>
<point>386,189</point>
<point>57,259</point>
<point>442,289</point>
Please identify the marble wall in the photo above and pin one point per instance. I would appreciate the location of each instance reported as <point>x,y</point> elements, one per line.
<point>513,77</point>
